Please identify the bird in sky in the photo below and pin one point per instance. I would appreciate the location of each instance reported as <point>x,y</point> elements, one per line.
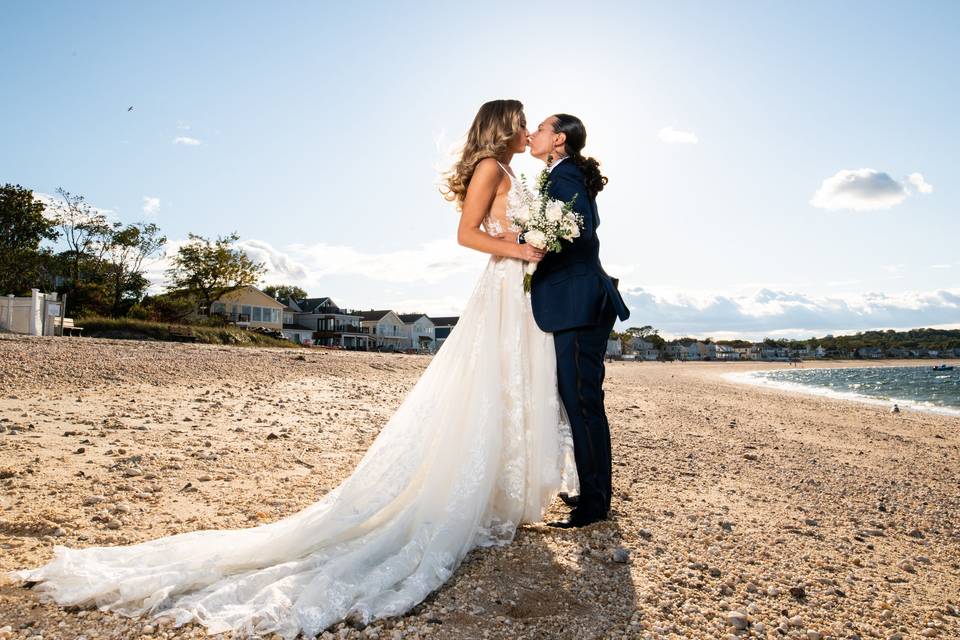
<point>129,109</point>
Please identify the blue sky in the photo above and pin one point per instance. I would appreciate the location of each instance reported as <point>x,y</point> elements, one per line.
<point>760,154</point>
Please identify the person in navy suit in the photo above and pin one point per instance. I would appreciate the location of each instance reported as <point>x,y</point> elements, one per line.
<point>574,298</point>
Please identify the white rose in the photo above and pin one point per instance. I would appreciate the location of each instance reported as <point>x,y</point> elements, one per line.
<point>554,210</point>
<point>535,238</point>
<point>522,216</point>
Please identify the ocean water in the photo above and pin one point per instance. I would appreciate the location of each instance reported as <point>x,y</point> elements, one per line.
<point>918,387</point>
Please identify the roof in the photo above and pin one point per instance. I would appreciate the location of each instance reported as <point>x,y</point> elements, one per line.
<point>408,318</point>
<point>372,314</point>
<point>445,321</point>
<point>309,304</point>
<point>234,293</point>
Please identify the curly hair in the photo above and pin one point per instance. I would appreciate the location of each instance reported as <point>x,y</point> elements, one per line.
<point>493,128</point>
<point>576,139</point>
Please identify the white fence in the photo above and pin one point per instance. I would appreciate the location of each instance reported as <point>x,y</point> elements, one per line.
<point>33,316</point>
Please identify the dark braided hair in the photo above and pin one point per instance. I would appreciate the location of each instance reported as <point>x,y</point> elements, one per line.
<point>576,139</point>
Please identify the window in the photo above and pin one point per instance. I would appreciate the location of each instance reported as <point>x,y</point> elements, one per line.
<point>245,310</point>
<point>219,307</point>
<point>256,313</point>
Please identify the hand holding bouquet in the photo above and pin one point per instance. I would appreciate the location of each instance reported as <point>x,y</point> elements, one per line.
<point>545,221</point>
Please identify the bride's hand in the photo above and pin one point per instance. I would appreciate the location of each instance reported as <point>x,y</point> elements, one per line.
<point>509,236</point>
<point>530,253</point>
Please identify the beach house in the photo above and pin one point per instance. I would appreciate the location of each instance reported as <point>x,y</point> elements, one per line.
<point>773,352</point>
<point>442,326</point>
<point>643,349</point>
<point>726,352</point>
<point>247,307</point>
<point>614,348</point>
<point>419,329</point>
<point>744,353</point>
<point>293,331</point>
<point>330,326</point>
<point>385,328</point>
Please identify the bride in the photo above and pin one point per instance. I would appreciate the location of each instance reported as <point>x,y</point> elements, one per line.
<point>479,446</point>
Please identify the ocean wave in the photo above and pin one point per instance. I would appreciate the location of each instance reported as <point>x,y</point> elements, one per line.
<point>761,378</point>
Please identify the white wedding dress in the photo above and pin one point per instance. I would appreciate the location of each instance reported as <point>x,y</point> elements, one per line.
<point>479,446</point>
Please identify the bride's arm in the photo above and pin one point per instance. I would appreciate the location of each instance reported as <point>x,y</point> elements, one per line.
<point>480,194</point>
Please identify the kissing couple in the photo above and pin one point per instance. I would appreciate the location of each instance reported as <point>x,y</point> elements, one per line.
<point>508,415</point>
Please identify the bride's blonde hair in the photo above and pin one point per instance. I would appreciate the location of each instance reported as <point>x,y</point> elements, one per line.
<point>493,128</point>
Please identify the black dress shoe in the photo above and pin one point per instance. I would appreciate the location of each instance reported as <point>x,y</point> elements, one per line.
<point>570,501</point>
<point>577,520</point>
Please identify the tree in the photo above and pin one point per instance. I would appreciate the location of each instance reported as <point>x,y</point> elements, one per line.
<point>284,291</point>
<point>206,269</point>
<point>23,226</point>
<point>641,332</point>
<point>83,228</point>
<point>127,248</point>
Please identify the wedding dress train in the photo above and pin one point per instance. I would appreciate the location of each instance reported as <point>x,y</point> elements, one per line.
<point>479,446</point>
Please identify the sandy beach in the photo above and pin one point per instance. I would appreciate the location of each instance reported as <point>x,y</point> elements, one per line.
<point>737,510</point>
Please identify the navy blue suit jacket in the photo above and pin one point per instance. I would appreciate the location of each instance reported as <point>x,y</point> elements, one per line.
<point>570,288</point>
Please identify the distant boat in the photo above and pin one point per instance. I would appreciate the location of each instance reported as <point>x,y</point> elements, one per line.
<point>943,367</point>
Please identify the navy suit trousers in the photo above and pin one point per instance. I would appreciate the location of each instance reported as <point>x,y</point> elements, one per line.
<point>580,372</point>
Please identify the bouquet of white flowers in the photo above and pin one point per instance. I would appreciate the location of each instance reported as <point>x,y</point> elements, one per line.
<point>545,221</point>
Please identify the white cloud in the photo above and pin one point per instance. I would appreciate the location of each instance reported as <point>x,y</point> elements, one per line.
<point>187,140</point>
<point>893,268</point>
<point>429,263</point>
<point>183,126</point>
<point>310,266</point>
<point>53,202</point>
<point>151,205</point>
<point>859,190</point>
<point>917,181</point>
<point>866,190</point>
<point>677,136</point>
<point>279,266</point>
<point>941,266</point>
<point>789,313</point>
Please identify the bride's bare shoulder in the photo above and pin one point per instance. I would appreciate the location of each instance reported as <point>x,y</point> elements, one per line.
<point>487,168</point>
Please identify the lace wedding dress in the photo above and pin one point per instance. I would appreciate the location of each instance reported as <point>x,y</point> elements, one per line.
<point>479,446</point>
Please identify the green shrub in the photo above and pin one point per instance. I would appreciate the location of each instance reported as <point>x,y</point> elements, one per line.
<point>134,329</point>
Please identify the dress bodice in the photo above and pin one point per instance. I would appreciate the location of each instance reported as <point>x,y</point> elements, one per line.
<point>495,222</point>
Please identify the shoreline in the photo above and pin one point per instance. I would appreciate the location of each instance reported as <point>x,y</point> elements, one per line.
<point>750,378</point>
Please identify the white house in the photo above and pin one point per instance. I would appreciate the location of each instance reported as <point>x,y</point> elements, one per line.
<point>643,349</point>
<point>689,351</point>
<point>614,348</point>
<point>419,329</point>
<point>696,351</point>
<point>386,329</point>
<point>726,352</point>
